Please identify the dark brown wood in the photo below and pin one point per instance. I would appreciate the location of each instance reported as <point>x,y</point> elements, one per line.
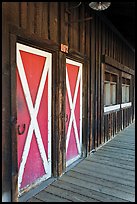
<point>55,118</point>
<point>13,12</point>
<point>62,24</point>
<point>89,142</point>
<point>44,30</point>
<point>53,21</point>
<point>13,118</point>
<point>82,37</point>
<point>31,17</point>
<point>85,110</point>
<point>99,84</point>
<point>31,38</point>
<point>105,128</point>
<point>96,77</point>
<point>86,84</point>
<point>6,137</point>
<point>61,114</point>
<point>92,85</point>
<point>76,31</point>
<point>66,26</point>
<point>103,39</point>
<point>107,41</point>
<point>102,102</point>
<point>38,18</point>
<point>117,65</point>
<point>24,13</point>
<point>132,94</point>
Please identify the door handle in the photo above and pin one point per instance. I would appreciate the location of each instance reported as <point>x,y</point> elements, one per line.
<point>23,129</point>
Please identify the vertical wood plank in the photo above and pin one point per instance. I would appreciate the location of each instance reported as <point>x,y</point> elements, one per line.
<point>96,79</point>
<point>87,38</point>
<point>44,30</point>
<point>114,46</point>
<point>102,102</point>
<point>76,31</point>
<point>107,41</point>
<point>89,143</point>
<point>113,124</point>
<point>55,115</point>
<point>66,28</point>
<point>13,118</point>
<point>53,21</point>
<point>62,23</point>
<point>93,86</point>
<point>99,83</point>
<point>13,12</point>
<point>82,30</point>
<point>132,95</point>
<point>103,39</point>
<point>109,126</point>
<point>103,123</point>
<point>104,128</point>
<point>31,17</point>
<point>6,138</point>
<point>116,50</point>
<point>24,13</point>
<point>62,110</point>
<point>38,18</point>
<point>62,95</point>
<point>85,107</point>
<point>71,27</point>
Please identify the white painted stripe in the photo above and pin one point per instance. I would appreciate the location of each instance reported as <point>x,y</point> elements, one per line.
<point>125,105</point>
<point>33,50</point>
<point>49,64</point>
<point>72,160</point>
<point>68,61</point>
<point>34,111</point>
<point>112,108</point>
<point>81,107</point>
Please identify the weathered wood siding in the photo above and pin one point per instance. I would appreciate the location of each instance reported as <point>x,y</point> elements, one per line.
<point>46,25</point>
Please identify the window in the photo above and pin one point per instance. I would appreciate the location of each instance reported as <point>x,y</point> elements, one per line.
<point>110,89</point>
<point>113,90</point>
<point>125,90</point>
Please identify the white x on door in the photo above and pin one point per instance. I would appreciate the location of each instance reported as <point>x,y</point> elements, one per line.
<point>73,111</point>
<point>33,115</point>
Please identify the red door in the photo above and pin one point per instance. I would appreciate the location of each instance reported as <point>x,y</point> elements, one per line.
<point>73,111</point>
<point>33,115</point>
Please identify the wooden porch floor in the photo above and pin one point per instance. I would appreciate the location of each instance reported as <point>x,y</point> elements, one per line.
<point>108,175</point>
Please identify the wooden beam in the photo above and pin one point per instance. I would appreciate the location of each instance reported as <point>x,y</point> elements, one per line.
<point>13,119</point>
<point>110,61</point>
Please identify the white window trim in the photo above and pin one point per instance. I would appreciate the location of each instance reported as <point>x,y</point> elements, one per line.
<point>125,105</point>
<point>112,108</point>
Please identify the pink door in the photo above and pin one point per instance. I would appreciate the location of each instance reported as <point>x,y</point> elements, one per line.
<point>33,115</point>
<point>73,111</point>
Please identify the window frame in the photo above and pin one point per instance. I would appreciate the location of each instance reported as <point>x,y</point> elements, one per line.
<point>125,86</point>
<point>111,82</point>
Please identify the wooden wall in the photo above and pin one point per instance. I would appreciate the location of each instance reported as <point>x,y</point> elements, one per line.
<point>89,41</point>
